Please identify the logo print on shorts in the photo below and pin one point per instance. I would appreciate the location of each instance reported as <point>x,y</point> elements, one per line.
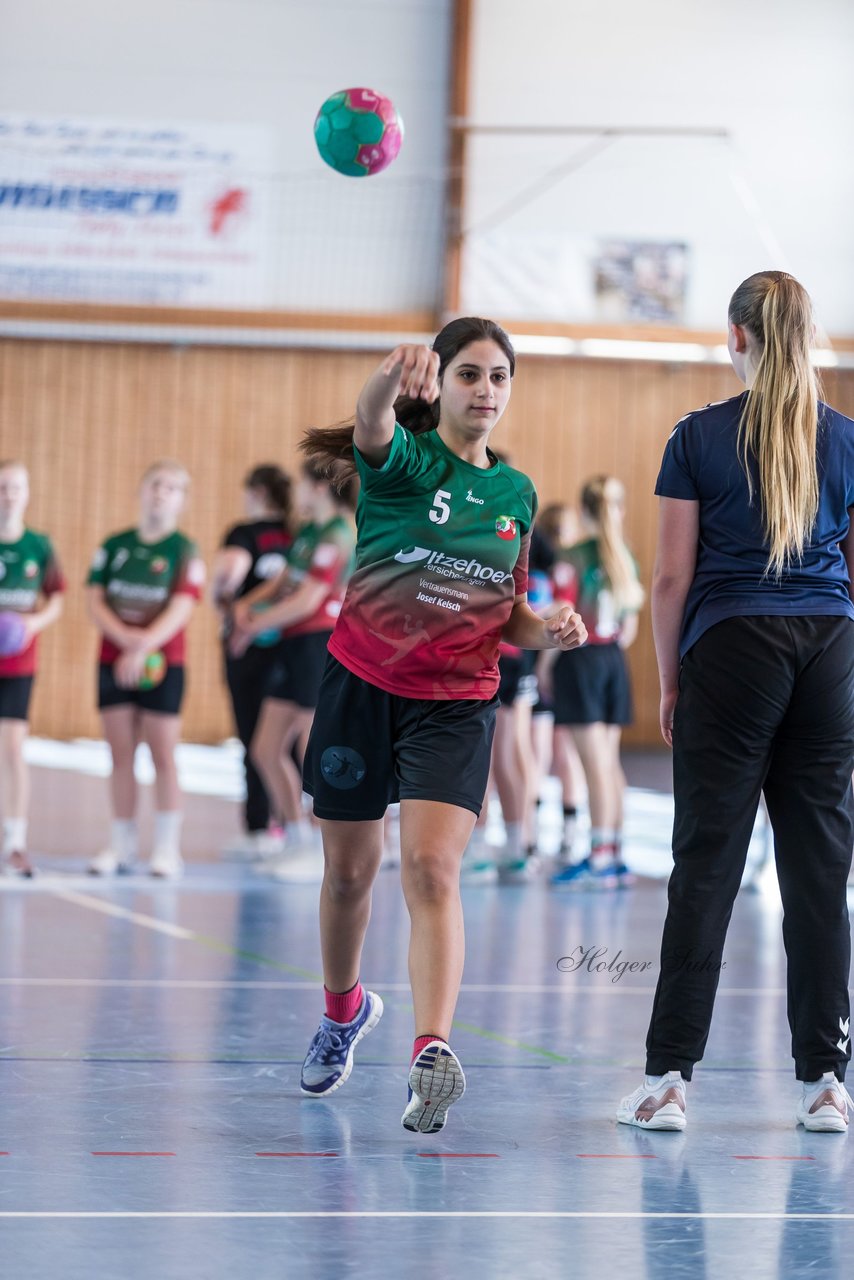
<point>505,527</point>
<point>342,767</point>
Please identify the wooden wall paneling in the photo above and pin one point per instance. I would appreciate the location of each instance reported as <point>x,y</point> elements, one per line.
<point>88,418</point>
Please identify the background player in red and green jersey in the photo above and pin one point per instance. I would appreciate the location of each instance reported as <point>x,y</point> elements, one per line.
<point>304,602</point>
<point>592,689</point>
<point>143,585</point>
<point>407,705</point>
<point>31,584</point>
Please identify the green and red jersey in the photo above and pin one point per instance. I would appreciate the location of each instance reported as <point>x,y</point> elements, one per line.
<point>29,569</point>
<point>441,555</point>
<point>323,553</point>
<point>140,578</point>
<point>579,580</point>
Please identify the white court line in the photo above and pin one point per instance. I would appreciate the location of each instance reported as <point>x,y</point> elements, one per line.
<point>122,913</point>
<point>616,1215</point>
<point>208,984</point>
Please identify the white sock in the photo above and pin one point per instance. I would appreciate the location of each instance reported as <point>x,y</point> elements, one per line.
<point>655,1082</point>
<point>14,835</point>
<point>123,839</point>
<point>603,844</point>
<point>513,842</point>
<point>167,831</point>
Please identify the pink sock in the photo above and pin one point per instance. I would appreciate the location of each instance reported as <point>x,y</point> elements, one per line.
<point>422,1042</point>
<point>343,1006</point>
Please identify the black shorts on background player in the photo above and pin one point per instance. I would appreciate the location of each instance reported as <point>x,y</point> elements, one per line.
<point>15,693</point>
<point>165,700</point>
<point>591,686</point>
<point>516,678</point>
<point>297,675</point>
<point>369,749</point>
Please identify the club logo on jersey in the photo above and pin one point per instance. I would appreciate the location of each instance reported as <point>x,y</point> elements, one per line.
<point>505,527</point>
<point>30,569</point>
<point>325,556</point>
<point>159,565</point>
<point>452,567</point>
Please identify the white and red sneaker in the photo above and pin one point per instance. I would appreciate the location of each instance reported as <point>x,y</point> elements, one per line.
<point>659,1103</point>
<point>824,1105</point>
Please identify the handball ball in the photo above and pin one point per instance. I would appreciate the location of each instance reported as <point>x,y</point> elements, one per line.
<point>13,634</point>
<point>358,132</point>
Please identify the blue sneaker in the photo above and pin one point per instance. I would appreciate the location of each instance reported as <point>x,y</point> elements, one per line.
<point>329,1060</point>
<point>581,875</point>
<point>435,1081</point>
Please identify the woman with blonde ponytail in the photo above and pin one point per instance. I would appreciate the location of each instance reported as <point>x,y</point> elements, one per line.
<point>752,616</point>
<point>592,693</point>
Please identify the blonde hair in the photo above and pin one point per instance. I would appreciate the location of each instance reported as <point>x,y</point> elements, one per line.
<point>779,423</point>
<point>602,501</point>
<point>166,464</point>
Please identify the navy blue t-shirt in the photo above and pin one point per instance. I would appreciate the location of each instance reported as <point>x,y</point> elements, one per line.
<point>701,462</point>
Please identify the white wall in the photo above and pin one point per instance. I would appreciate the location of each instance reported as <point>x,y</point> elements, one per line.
<point>776,73</point>
<point>367,244</point>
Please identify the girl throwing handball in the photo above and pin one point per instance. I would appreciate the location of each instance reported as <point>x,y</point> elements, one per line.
<point>143,585</point>
<point>407,705</point>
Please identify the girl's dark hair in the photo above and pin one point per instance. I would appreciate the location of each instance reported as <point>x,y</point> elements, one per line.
<point>343,484</point>
<point>276,484</point>
<point>332,447</point>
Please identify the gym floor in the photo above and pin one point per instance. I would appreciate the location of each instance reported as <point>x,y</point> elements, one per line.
<point>150,1045</point>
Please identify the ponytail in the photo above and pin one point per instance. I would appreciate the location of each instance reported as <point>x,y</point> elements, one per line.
<point>332,447</point>
<point>601,500</point>
<point>779,424</point>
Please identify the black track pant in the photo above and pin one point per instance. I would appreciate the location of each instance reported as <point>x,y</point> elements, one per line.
<point>765,704</point>
<point>247,683</point>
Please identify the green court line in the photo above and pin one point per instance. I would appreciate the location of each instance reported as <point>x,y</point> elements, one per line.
<point>255,957</point>
<point>485,1034</point>
<point>225,948</point>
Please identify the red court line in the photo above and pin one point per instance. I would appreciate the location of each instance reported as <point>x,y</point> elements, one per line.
<point>133,1153</point>
<point>458,1155</point>
<point>592,1155</point>
<point>285,1155</point>
<point>773,1157</point>
<point>4,1153</point>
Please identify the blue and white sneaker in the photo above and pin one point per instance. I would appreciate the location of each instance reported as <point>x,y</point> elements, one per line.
<point>435,1081</point>
<point>582,875</point>
<point>329,1060</point>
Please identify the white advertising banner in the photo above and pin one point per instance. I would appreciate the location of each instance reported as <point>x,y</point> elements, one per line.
<point>119,211</point>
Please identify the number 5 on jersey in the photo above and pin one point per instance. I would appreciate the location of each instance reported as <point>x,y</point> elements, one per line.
<point>440,511</point>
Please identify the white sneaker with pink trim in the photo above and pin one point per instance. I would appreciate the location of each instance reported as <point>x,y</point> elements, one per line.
<point>659,1103</point>
<point>824,1105</point>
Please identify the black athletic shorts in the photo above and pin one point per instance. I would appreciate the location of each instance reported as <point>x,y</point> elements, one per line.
<point>15,694</point>
<point>516,678</point>
<point>165,700</point>
<point>300,663</point>
<point>591,686</point>
<point>368,749</point>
